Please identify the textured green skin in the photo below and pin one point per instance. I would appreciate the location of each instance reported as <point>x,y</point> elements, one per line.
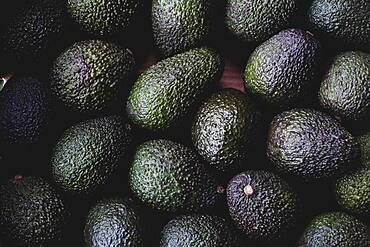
<point>258,20</point>
<point>224,129</point>
<point>180,25</point>
<point>270,212</point>
<point>165,92</point>
<point>198,230</point>
<point>335,229</point>
<point>270,74</point>
<point>88,153</point>
<point>353,192</point>
<point>24,111</point>
<point>364,145</point>
<point>113,223</point>
<point>310,145</point>
<point>345,90</point>
<point>103,17</point>
<point>169,177</point>
<point>33,33</point>
<point>32,214</point>
<point>344,20</point>
<point>87,76</point>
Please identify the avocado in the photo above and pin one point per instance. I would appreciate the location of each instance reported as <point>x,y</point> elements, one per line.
<point>181,25</point>
<point>115,223</point>
<point>345,21</point>
<point>166,92</point>
<point>169,176</point>
<point>256,21</point>
<point>262,205</point>
<point>104,18</point>
<point>364,147</point>
<point>224,129</point>
<point>309,145</point>
<point>89,76</point>
<point>353,192</point>
<point>335,229</point>
<point>34,34</point>
<point>345,90</point>
<point>24,111</point>
<point>32,213</point>
<point>284,68</point>
<point>88,153</point>
<point>199,230</point>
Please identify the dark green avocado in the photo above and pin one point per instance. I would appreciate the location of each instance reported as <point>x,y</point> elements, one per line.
<point>283,69</point>
<point>104,18</point>
<point>88,153</point>
<point>199,230</point>
<point>34,34</point>
<point>181,25</point>
<point>32,213</point>
<point>346,21</point>
<point>256,21</point>
<point>262,205</point>
<point>310,145</point>
<point>364,146</point>
<point>335,229</point>
<point>114,223</point>
<point>169,176</point>
<point>165,93</point>
<point>89,76</point>
<point>345,90</point>
<point>224,129</point>
<point>24,111</point>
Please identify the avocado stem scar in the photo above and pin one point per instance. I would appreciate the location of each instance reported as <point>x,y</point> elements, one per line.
<point>248,190</point>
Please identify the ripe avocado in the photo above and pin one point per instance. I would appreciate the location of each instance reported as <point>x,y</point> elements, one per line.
<point>24,111</point>
<point>364,146</point>
<point>199,230</point>
<point>169,176</point>
<point>181,25</point>
<point>347,21</point>
<point>166,92</point>
<point>89,76</point>
<point>88,153</point>
<point>224,129</point>
<point>335,229</point>
<point>256,21</point>
<point>32,213</point>
<point>311,145</point>
<point>35,33</point>
<point>114,223</point>
<point>104,18</point>
<point>345,90</point>
<point>262,205</point>
<point>283,69</point>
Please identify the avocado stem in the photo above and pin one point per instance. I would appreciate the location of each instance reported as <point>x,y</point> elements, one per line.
<point>18,178</point>
<point>248,190</point>
<point>220,189</point>
<point>4,80</point>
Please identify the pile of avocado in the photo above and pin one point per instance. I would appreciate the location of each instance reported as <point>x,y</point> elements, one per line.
<point>185,123</point>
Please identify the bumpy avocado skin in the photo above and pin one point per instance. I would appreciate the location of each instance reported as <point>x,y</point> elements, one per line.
<point>347,21</point>
<point>199,230</point>
<point>335,229</point>
<point>364,147</point>
<point>225,128</point>
<point>283,69</point>
<point>115,223</point>
<point>345,90</point>
<point>269,211</point>
<point>88,153</point>
<point>256,21</point>
<point>181,25</point>
<point>88,77</point>
<point>104,18</point>
<point>310,145</point>
<point>32,213</point>
<point>166,92</point>
<point>24,111</point>
<point>169,177</point>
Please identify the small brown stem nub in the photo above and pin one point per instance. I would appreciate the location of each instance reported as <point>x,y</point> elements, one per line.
<point>18,178</point>
<point>220,189</point>
<point>248,190</point>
